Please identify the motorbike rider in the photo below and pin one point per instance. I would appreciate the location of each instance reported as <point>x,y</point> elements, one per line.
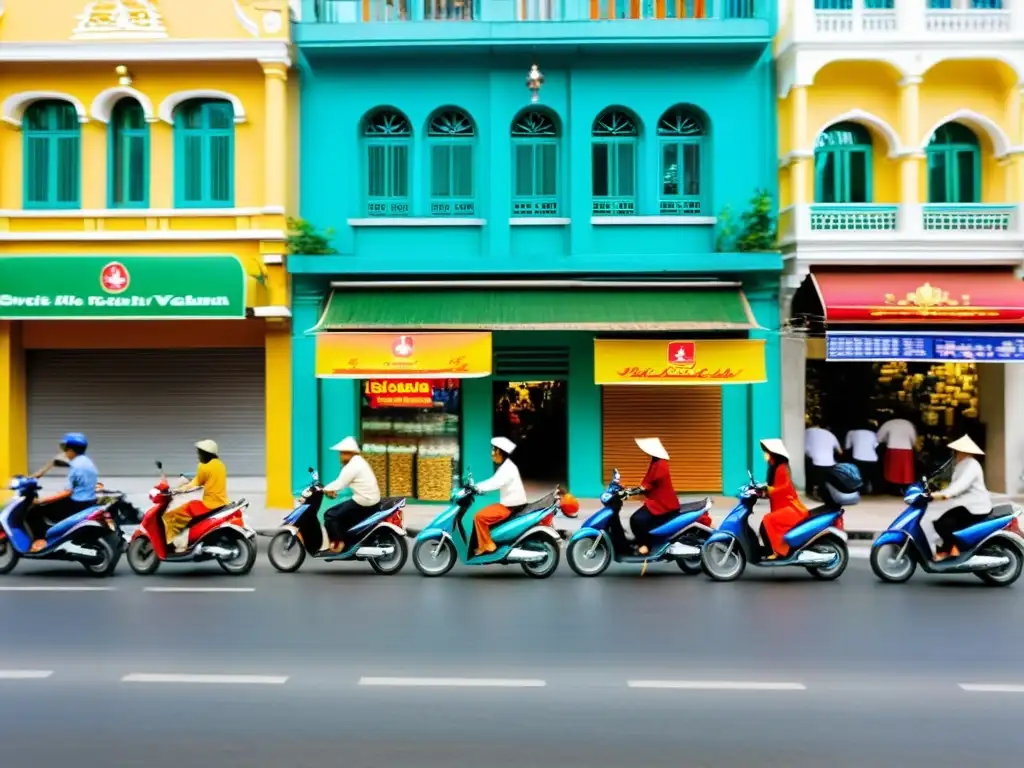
<point>511,494</point>
<point>971,500</point>
<point>660,499</point>
<point>356,474</point>
<point>212,477</point>
<point>79,494</point>
<point>787,511</point>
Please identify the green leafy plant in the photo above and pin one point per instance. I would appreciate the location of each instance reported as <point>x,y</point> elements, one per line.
<point>753,230</point>
<point>305,239</point>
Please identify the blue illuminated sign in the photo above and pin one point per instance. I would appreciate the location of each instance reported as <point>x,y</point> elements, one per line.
<point>926,347</point>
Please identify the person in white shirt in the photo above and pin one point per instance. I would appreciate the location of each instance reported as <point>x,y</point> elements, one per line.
<point>511,494</point>
<point>970,500</point>
<point>862,445</point>
<point>356,475</point>
<point>900,439</point>
<point>821,447</point>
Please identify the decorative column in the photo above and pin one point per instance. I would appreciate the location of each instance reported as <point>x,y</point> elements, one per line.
<point>275,139</point>
<point>798,186</point>
<point>911,155</point>
<point>13,419</point>
<point>1013,163</point>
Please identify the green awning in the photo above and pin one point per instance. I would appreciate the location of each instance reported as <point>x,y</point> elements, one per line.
<point>555,309</point>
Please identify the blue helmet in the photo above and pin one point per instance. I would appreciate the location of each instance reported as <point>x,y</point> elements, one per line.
<point>76,441</point>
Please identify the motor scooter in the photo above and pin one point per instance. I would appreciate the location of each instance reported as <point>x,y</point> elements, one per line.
<point>526,537</point>
<point>91,537</point>
<point>379,538</point>
<point>678,540</point>
<point>817,544</point>
<point>220,534</point>
<point>992,548</point>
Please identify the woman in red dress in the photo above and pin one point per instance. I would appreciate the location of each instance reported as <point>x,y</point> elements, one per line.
<point>787,511</point>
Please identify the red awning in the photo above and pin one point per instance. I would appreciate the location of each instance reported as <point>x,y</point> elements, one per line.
<point>916,297</point>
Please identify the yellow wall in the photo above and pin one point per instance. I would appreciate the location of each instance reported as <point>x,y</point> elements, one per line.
<point>982,87</point>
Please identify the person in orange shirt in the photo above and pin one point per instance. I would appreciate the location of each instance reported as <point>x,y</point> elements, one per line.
<point>787,511</point>
<point>212,477</point>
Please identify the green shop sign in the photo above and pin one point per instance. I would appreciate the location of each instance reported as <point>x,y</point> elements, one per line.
<point>123,287</point>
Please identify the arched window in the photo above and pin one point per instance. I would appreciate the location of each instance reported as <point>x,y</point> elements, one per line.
<point>681,134</point>
<point>954,165</point>
<point>842,164</point>
<point>451,137</point>
<point>535,164</point>
<point>204,154</point>
<point>613,158</point>
<point>128,156</point>
<point>387,137</point>
<point>53,156</point>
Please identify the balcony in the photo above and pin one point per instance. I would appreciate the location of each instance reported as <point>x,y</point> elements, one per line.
<point>524,24</point>
<point>851,234</point>
<point>850,22</point>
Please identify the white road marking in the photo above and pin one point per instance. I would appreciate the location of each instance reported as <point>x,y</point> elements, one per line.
<point>25,674</point>
<point>58,589</point>
<point>140,677</point>
<point>991,688</point>
<point>451,682</point>
<point>714,685</point>
<point>199,589</point>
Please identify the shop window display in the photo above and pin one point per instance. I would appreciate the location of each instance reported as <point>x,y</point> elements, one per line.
<point>411,433</point>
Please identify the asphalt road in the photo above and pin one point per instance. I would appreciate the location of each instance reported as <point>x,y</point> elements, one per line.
<point>337,666</point>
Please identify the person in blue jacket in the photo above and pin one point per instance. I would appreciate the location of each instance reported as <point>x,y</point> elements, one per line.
<point>79,494</point>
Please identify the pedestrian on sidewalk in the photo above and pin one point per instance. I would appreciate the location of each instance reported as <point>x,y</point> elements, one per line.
<point>862,445</point>
<point>821,446</point>
<point>899,436</point>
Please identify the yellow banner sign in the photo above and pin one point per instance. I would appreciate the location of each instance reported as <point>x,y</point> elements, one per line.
<point>653,362</point>
<point>403,355</point>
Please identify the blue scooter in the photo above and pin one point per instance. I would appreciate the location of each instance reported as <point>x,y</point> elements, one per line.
<point>379,538</point>
<point>817,544</point>
<point>992,547</point>
<point>526,537</point>
<point>91,537</point>
<point>592,548</point>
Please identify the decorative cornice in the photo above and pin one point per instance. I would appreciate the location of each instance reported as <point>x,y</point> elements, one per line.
<point>794,156</point>
<point>13,108</point>
<point>153,50</point>
<point>910,80</point>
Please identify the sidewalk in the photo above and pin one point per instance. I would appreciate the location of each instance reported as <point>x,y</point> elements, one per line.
<point>866,519</point>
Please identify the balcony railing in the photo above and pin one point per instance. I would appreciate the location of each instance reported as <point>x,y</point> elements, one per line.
<point>869,20</point>
<point>393,11</point>
<point>893,224</point>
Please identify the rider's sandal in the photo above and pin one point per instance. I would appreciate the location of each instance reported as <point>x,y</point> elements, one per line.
<point>643,568</point>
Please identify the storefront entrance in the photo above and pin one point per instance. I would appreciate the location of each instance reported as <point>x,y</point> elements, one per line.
<point>534,415</point>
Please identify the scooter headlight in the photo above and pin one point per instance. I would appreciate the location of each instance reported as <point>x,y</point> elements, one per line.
<point>606,497</point>
<point>307,493</point>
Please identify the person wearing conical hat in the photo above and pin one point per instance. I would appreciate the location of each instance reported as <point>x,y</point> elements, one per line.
<point>357,476</point>
<point>212,477</point>
<point>507,481</point>
<point>660,499</point>
<point>787,511</point>
<point>970,500</point>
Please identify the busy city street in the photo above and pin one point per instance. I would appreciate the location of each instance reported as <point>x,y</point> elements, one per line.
<point>335,665</point>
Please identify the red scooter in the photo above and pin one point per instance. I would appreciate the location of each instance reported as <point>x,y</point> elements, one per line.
<point>220,535</point>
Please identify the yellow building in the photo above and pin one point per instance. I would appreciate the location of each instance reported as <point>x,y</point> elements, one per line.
<point>145,169</point>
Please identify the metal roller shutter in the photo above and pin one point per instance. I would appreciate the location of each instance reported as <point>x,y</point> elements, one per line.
<point>137,406</point>
<point>688,420</point>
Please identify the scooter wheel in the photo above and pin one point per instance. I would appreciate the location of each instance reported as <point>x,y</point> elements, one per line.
<point>723,562</point>
<point>1009,573</point>
<point>839,550</point>
<point>108,551</point>
<point>434,558</point>
<point>244,560</point>
<point>690,565</point>
<point>142,557</point>
<point>888,568</point>
<point>589,556</point>
<point>542,569</point>
<point>8,557</point>
<point>394,563</point>
<point>286,552</point>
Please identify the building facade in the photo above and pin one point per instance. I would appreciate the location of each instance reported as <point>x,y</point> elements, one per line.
<point>901,139</point>
<point>550,263</point>
<point>144,178</point>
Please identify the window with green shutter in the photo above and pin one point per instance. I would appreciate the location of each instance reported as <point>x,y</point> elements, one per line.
<point>128,156</point>
<point>534,164</point>
<point>681,137</point>
<point>387,137</point>
<point>613,158</point>
<point>842,165</point>
<point>204,165</point>
<point>954,165</point>
<point>52,156</point>
<point>451,142</point>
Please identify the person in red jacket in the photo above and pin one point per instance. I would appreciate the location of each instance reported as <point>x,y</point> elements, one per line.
<point>787,511</point>
<point>660,497</point>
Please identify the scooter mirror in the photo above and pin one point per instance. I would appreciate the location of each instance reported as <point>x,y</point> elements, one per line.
<point>310,470</point>
<point>160,465</point>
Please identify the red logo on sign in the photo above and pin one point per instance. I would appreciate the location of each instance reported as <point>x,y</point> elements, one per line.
<point>402,346</point>
<point>115,278</point>
<point>682,352</point>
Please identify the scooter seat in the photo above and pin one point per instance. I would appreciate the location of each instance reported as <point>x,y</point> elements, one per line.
<point>824,509</point>
<point>1001,510</point>
<point>217,511</point>
<point>535,506</point>
<point>694,506</point>
<point>388,505</point>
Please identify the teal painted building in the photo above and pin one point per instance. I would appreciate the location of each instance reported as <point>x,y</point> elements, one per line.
<point>575,243</point>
